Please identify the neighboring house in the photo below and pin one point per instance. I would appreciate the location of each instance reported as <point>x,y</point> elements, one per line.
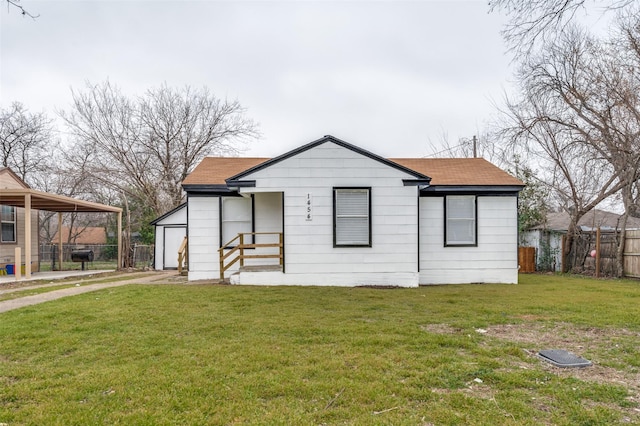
<point>348,217</point>
<point>13,226</point>
<point>83,235</point>
<point>19,205</point>
<point>547,237</point>
<point>170,231</point>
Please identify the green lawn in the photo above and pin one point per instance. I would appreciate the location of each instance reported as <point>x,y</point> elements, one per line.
<point>205,354</point>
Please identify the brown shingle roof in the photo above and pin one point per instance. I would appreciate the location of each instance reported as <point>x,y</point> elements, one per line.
<point>443,171</point>
<point>83,235</point>
<point>559,221</point>
<point>459,171</point>
<point>214,170</point>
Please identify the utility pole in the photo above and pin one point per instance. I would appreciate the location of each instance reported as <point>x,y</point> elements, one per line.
<point>475,151</point>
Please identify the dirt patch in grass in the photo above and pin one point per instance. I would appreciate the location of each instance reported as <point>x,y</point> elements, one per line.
<point>560,335</point>
<point>598,342</point>
<point>599,345</point>
<point>577,340</point>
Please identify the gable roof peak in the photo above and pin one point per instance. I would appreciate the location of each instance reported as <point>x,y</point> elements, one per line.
<point>14,176</point>
<point>322,140</point>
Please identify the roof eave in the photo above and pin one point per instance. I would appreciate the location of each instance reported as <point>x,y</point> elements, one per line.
<point>167,214</point>
<point>471,189</point>
<point>205,190</point>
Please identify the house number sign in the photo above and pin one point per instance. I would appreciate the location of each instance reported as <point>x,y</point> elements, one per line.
<point>309,207</point>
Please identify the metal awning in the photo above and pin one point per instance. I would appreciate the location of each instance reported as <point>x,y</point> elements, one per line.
<point>51,202</point>
<point>29,199</point>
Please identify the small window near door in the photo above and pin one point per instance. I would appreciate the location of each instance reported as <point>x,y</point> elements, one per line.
<point>8,224</point>
<point>236,216</point>
<point>352,217</point>
<point>460,217</point>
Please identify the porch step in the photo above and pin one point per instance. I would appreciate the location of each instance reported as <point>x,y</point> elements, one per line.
<point>261,268</point>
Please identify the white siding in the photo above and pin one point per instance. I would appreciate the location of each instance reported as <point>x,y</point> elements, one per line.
<point>204,238</point>
<point>179,217</point>
<point>494,260</point>
<point>329,279</point>
<point>310,256</point>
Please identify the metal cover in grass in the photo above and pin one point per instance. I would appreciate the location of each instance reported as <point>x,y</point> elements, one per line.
<point>562,358</point>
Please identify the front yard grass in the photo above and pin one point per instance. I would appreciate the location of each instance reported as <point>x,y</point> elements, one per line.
<point>206,354</point>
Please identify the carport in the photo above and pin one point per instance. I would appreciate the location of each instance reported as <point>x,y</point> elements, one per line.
<point>31,199</point>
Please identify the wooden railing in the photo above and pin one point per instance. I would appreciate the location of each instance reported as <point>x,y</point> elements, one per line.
<point>237,253</point>
<point>183,255</point>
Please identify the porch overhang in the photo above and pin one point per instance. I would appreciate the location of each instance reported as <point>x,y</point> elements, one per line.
<point>440,190</point>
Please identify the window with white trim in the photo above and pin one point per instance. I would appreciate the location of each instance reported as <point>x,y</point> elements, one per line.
<point>460,226</point>
<point>236,216</point>
<point>352,217</point>
<point>8,224</point>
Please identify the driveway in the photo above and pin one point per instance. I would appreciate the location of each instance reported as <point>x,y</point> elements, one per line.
<point>138,278</point>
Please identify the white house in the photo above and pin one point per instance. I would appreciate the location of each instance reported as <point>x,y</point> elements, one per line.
<point>170,230</point>
<point>347,217</point>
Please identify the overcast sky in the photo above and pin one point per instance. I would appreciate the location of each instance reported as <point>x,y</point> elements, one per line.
<point>392,77</point>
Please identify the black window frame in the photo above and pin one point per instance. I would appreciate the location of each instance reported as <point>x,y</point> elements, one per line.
<point>369,219</point>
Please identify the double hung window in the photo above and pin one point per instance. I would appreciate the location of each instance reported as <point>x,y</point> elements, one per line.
<point>460,218</point>
<point>352,217</point>
<point>8,224</point>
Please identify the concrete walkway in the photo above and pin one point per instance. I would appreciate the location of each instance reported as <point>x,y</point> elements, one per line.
<point>51,275</point>
<point>138,278</point>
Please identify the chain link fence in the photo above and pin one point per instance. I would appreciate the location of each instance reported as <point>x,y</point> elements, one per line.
<point>105,256</point>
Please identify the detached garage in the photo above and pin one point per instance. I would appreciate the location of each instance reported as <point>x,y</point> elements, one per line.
<point>171,229</point>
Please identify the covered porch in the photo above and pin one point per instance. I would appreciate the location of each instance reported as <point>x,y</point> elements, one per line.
<point>252,233</point>
<point>30,199</point>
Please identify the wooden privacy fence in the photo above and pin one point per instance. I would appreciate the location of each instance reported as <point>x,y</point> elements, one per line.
<point>527,259</point>
<point>594,253</point>
<point>632,254</point>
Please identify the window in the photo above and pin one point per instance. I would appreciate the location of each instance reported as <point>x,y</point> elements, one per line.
<point>460,226</point>
<point>236,216</point>
<point>8,224</point>
<point>352,217</point>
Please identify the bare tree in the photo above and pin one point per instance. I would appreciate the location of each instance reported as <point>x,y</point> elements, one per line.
<point>23,11</point>
<point>139,150</point>
<point>24,141</point>
<point>578,116</point>
<point>144,147</point>
<point>533,23</point>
